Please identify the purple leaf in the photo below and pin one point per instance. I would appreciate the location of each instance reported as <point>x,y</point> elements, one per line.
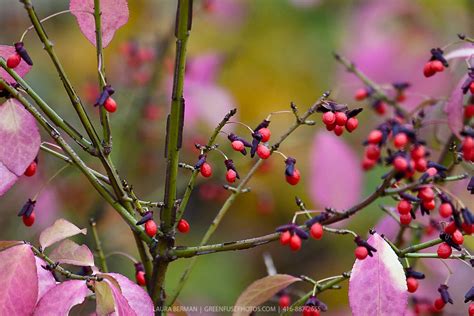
<point>20,141</point>
<point>377,286</point>
<point>22,69</point>
<point>71,253</point>
<point>60,299</point>
<point>111,299</point>
<point>137,297</point>
<point>261,291</point>
<point>19,288</point>
<point>46,279</point>
<point>336,176</point>
<point>114,16</point>
<point>61,229</point>
<point>454,108</point>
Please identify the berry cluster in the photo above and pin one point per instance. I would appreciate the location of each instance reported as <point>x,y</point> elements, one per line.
<point>337,116</point>
<point>437,63</point>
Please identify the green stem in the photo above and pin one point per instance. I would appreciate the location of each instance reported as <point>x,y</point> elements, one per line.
<point>145,259</point>
<point>461,256</point>
<point>98,246</point>
<point>173,146</point>
<point>421,246</point>
<point>104,115</point>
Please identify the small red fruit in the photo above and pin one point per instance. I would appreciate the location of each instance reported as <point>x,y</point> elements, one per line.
<point>400,164</point>
<point>445,210</point>
<point>400,140</point>
<point>150,228</point>
<point>13,60</point>
<point>429,205</point>
<point>110,105</point>
<point>380,108</point>
<point>361,252</point>
<point>361,94</point>
<point>31,170</point>
<point>316,231</point>
<point>230,176</point>
<point>206,170</point>
<point>404,207</point>
<point>412,285</point>
<point>310,311</point>
<point>329,118</point>
<point>450,228</point>
<point>469,111</point>
<point>265,132</point>
<point>372,152</point>
<point>437,66</point>
<point>140,277</point>
<point>351,124</point>
<point>29,220</point>
<point>471,306</point>
<point>457,237</point>
<point>183,226</point>
<point>341,118</point>
<point>368,164</point>
<point>295,178</point>
<point>295,242</point>
<point>375,137</point>
<point>237,145</point>
<point>444,250</point>
<point>285,238</point>
<point>471,87</point>
<point>418,152</point>
<point>405,219</point>
<point>263,151</point>
<point>426,194</point>
<point>284,301</point>
<point>427,70</point>
<point>431,171</point>
<point>338,130</point>
<point>421,164</point>
<point>439,304</point>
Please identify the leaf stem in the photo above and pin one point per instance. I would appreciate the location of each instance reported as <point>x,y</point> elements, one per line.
<point>98,246</point>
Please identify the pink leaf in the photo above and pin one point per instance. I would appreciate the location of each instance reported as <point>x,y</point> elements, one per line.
<point>388,226</point>
<point>20,141</point>
<point>377,286</point>
<point>114,16</point>
<point>261,291</point>
<point>136,296</point>
<point>454,108</point>
<point>122,307</point>
<point>46,279</point>
<point>22,69</point>
<point>71,253</point>
<point>60,299</point>
<point>111,299</point>
<point>19,288</point>
<point>336,176</point>
<point>61,229</point>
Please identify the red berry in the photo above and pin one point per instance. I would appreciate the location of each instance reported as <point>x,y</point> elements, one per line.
<point>405,219</point>
<point>230,176</point>
<point>368,164</point>
<point>471,87</point>
<point>110,105</point>
<point>284,301</point>
<point>426,194</point>
<point>361,252</point>
<point>437,66</point>
<point>206,170</point>
<point>183,226</point>
<point>237,145</point>
<point>150,228</point>
<point>469,111</point>
<point>29,220</point>
<point>31,170</point>
<point>295,242</point>
<point>380,108</point>
<point>331,127</point>
<point>404,207</point>
<point>412,285</point>
<point>341,118</point>
<point>295,178</point>
<point>457,237</point>
<point>329,118</point>
<point>450,228</point>
<point>338,130</point>
<point>401,97</point>
<point>13,60</point>
<point>431,171</point>
<point>140,277</point>
<point>263,151</point>
<point>316,231</point>
<point>429,205</point>
<point>265,132</point>
<point>352,124</point>
<point>375,137</point>
<point>427,70</point>
<point>468,229</point>
<point>285,238</point>
<point>310,311</point>
<point>418,152</point>
<point>471,306</point>
<point>421,164</point>
<point>439,304</point>
<point>445,210</point>
<point>444,250</point>
<point>361,94</point>
<point>400,164</point>
<point>400,140</point>
<point>372,152</point>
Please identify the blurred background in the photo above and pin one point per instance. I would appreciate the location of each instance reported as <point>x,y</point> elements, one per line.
<point>257,56</point>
